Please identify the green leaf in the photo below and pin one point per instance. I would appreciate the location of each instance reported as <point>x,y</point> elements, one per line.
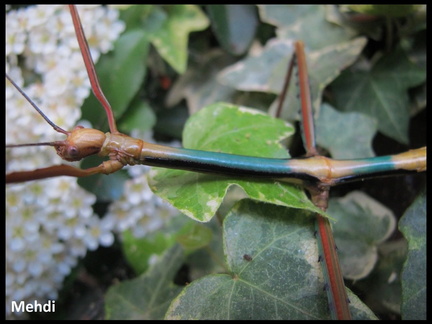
<point>358,131</point>
<point>266,71</point>
<point>120,73</point>
<point>413,226</point>
<point>138,17</point>
<point>272,256</point>
<point>381,92</point>
<point>230,129</point>
<point>381,289</point>
<point>149,295</point>
<point>194,236</point>
<point>223,127</point>
<point>172,38</point>
<point>210,259</point>
<point>138,116</point>
<point>361,225</point>
<point>304,22</point>
<point>234,26</point>
<point>190,234</point>
<point>138,251</point>
<point>199,84</point>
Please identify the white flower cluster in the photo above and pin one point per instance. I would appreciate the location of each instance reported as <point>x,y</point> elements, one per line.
<point>50,224</point>
<point>41,45</point>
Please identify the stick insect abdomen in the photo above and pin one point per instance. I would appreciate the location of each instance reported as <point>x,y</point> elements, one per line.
<point>123,149</point>
<point>239,166</point>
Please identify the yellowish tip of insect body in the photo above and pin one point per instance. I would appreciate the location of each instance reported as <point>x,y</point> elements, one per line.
<point>412,160</point>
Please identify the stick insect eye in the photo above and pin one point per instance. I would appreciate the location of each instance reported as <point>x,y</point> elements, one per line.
<point>73,152</point>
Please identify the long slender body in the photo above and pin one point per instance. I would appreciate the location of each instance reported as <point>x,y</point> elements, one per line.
<point>314,169</point>
<point>123,150</point>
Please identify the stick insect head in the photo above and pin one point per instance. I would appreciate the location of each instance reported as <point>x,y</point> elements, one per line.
<point>80,142</point>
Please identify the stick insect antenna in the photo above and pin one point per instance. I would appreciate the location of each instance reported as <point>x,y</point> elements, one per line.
<point>56,128</point>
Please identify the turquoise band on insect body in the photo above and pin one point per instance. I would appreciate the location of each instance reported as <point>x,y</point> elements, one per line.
<point>312,169</point>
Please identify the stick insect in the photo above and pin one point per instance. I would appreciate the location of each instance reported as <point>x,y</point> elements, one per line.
<point>316,173</point>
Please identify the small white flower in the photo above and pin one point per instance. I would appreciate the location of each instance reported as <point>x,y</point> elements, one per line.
<point>98,232</point>
<point>39,15</point>
<point>15,40</point>
<point>137,190</point>
<point>42,41</point>
<point>76,247</point>
<point>57,82</point>
<point>64,262</point>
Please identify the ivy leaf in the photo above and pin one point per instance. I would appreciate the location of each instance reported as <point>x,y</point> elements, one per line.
<point>138,116</point>
<point>120,73</point>
<point>147,296</point>
<point>234,26</point>
<point>361,225</point>
<point>209,259</point>
<point>171,38</point>
<point>191,235</point>
<point>199,85</point>
<point>223,127</point>
<point>272,257</point>
<point>381,289</point>
<point>141,17</point>
<point>229,129</point>
<point>306,23</point>
<point>138,251</point>
<point>381,92</point>
<point>358,131</point>
<point>266,71</point>
<point>413,226</point>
